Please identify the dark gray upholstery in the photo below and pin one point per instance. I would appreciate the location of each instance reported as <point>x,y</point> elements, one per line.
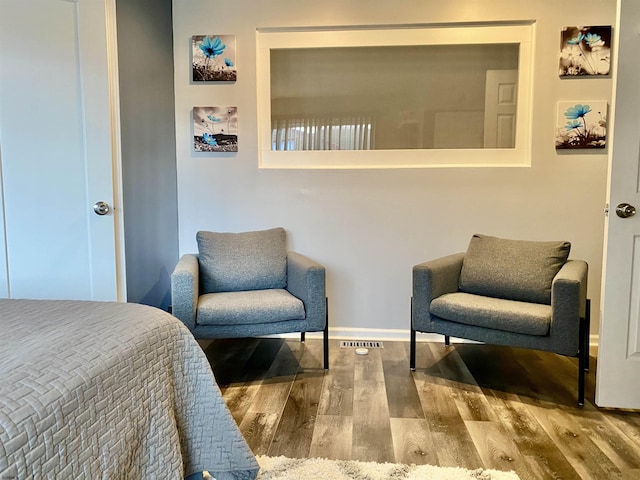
<point>439,305</point>
<point>513,269</point>
<point>494,313</point>
<point>248,308</point>
<point>283,292</point>
<point>233,262</point>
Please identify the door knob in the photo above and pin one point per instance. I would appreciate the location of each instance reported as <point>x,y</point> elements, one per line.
<point>624,210</point>
<point>102,208</point>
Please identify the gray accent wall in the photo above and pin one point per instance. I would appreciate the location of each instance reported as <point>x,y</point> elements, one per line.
<point>145,60</point>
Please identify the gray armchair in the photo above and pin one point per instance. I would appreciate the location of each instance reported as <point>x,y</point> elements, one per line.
<point>507,292</point>
<point>247,284</point>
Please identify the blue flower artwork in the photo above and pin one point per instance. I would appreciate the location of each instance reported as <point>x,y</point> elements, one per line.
<point>209,139</point>
<point>581,125</point>
<point>213,58</point>
<point>211,47</point>
<point>215,129</point>
<point>585,51</point>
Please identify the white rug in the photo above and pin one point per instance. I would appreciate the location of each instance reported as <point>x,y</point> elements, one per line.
<point>282,468</point>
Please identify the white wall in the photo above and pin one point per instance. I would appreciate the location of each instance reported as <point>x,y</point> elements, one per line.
<point>369,227</point>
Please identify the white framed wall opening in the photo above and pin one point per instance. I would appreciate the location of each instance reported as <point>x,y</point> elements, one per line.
<point>395,97</point>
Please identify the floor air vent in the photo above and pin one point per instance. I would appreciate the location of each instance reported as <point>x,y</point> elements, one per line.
<point>360,344</point>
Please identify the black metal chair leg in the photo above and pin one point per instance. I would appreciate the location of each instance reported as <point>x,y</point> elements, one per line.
<point>412,341</point>
<point>583,355</point>
<point>302,337</point>
<point>447,340</point>
<point>325,338</point>
<point>587,333</point>
<point>581,382</point>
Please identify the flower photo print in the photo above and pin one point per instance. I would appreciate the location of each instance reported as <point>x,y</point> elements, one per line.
<point>213,58</point>
<point>215,129</point>
<point>581,125</point>
<point>585,51</point>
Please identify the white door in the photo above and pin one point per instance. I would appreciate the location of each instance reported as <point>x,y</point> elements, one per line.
<point>500,108</point>
<point>57,150</point>
<point>618,373</point>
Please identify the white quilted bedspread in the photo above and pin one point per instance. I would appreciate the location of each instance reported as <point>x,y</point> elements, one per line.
<point>97,390</point>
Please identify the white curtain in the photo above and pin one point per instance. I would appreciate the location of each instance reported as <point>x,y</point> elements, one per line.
<point>323,133</point>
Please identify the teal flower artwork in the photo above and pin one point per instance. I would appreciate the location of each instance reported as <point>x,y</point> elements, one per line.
<point>585,51</point>
<point>581,125</point>
<point>593,40</point>
<point>209,140</point>
<point>573,124</point>
<point>577,111</point>
<point>212,47</point>
<point>208,63</point>
<point>215,129</point>
<point>575,40</point>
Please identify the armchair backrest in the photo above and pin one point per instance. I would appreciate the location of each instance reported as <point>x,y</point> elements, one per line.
<point>242,261</point>
<point>513,269</point>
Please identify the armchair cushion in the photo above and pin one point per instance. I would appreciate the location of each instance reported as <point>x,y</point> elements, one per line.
<point>249,307</point>
<point>493,313</point>
<point>231,262</point>
<point>520,270</point>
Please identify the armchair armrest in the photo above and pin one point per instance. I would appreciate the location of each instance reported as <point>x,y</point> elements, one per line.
<point>568,303</point>
<point>432,279</point>
<point>185,289</point>
<point>306,280</point>
<point>437,277</point>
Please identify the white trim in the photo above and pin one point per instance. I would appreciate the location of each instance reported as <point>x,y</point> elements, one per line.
<point>116,148</point>
<point>5,287</point>
<point>393,334</point>
<point>380,334</point>
<point>415,158</point>
<point>271,38</point>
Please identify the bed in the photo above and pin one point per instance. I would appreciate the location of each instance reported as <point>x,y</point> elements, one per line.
<point>112,391</point>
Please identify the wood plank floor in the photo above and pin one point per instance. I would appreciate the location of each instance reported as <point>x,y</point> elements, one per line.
<point>466,405</point>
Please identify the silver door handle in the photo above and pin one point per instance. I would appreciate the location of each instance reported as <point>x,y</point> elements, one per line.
<point>624,210</point>
<point>101,208</point>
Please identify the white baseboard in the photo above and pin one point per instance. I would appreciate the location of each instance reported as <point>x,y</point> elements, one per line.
<point>379,334</point>
<point>395,334</point>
